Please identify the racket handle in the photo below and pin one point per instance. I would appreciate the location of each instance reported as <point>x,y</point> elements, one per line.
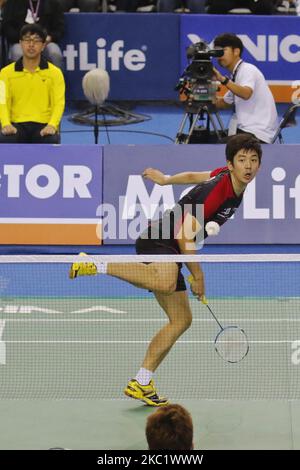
<point>203,298</point>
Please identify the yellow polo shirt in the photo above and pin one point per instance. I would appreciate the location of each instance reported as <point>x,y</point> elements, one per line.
<point>37,96</point>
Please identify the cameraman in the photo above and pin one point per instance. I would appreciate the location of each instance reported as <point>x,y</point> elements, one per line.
<point>248,92</point>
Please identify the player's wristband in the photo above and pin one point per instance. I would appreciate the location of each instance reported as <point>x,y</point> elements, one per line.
<point>225,81</point>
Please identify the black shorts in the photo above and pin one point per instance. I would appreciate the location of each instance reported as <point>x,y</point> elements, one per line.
<point>145,246</point>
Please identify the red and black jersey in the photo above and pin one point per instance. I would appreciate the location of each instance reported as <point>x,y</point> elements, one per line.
<point>216,197</point>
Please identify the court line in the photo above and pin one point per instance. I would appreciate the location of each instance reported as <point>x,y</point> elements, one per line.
<point>122,320</point>
<point>135,342</point>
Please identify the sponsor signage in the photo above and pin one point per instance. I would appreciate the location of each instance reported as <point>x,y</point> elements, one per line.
<point>85,195</point>
<point>270,212</point>
<point>146,65</point>
<point>143,65</point>
<point>49,194</point>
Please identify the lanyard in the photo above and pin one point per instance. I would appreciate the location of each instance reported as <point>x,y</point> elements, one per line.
<point>236,71</point>
<point>34,12</point>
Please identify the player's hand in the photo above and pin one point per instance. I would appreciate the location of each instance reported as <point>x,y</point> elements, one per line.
<point>155,175</point>
<point>48,130</point>
<point>9,130</point>
<point>198,287</point>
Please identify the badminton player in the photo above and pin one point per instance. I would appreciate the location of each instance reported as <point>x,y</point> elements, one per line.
<point>220,193</point>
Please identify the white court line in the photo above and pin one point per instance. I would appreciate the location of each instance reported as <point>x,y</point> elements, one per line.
<point>136,342</point>
<point>122,320</point>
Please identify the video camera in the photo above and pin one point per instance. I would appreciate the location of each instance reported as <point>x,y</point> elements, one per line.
<point>197,81</point>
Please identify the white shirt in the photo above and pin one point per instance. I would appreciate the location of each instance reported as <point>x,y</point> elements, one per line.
<point>258,114</point>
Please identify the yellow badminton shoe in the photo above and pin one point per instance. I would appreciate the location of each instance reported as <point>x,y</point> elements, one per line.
<point>146,393</point>
<point>82,269</point>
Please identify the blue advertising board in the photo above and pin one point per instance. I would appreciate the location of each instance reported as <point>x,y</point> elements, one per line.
<point>88,195</point>
<point>272,43</point>
<point>139,52</point>
<point>145,54</point>
<point>270,212</point>
<point>50,191</point>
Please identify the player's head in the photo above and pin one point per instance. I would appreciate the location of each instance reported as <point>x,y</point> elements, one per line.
<point>170,428</point>
<point>243,153</point>
<point>239,142</point>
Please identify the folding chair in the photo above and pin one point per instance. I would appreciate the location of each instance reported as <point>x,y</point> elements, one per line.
<point>287,120</point>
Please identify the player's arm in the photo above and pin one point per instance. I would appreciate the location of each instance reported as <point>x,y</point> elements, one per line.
<point>185,239</point>
<point>188,177</point>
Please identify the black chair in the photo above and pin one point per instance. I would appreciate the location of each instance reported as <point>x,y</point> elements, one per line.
<point>287,120</point>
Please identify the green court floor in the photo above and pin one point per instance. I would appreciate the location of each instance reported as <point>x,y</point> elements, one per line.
<point>64,364</point>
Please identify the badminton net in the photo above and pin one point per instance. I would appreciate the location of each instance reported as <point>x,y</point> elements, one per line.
<point>84,338</point>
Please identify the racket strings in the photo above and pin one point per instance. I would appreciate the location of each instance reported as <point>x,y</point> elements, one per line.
<point>232,344</point>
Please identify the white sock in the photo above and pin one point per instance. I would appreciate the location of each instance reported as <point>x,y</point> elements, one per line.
<point>144,376</point>
<point>101,267</point>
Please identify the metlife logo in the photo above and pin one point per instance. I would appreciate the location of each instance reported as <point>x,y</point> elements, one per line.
<point>110,57</point>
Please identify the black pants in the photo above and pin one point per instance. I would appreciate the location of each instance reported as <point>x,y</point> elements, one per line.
<point>29,133</point>
<point>259,7</point>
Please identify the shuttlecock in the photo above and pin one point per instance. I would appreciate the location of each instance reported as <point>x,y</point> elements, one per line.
<point>212,228</point>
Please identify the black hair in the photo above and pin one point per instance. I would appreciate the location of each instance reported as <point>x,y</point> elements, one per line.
<point>33,29</point>
<point>229,40</point>
<point>242,141</point>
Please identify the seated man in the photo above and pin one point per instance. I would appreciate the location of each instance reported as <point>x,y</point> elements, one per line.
<point>32,93</point>
<point>46,13</point>
<point>248,93</point>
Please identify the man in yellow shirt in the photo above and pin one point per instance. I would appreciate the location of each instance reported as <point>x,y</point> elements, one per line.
<point>32,93</point>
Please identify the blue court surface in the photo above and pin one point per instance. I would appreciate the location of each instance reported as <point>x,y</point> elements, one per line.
<point>161,128</point>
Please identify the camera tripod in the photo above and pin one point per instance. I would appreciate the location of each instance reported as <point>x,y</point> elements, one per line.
<point>200,134</point>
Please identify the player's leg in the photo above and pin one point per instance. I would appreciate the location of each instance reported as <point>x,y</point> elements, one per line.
<point>177,308</point>
<point>159,277</point>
